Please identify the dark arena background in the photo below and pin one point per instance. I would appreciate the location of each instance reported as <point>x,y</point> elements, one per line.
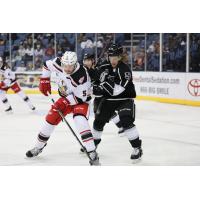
<point>165,66</point>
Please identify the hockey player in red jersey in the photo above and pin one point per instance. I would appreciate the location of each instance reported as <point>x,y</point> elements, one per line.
<point>9,82</point>
<point>74,88</point>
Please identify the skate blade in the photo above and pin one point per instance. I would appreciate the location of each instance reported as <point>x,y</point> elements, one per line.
<point>9,112</point>
<point>95,164</point>
<point>31,158</point>
<point>135,161</point>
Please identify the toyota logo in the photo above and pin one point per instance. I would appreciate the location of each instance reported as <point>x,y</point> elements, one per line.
<point>194,87</point>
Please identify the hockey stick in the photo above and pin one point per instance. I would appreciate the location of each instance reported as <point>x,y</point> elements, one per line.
<point>72,131</point>
<point>100,105</point>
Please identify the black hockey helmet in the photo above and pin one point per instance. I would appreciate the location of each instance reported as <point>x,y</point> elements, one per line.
<point>88,56</point>
<point>115,50</point>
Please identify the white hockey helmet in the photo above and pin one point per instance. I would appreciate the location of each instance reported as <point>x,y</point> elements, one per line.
<point>69,58</point>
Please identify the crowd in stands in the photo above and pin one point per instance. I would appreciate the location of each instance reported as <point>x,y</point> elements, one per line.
<point>92,43</point>
<point>194,65</point>
<point>22,51</point>
<point>28,51</point>
<point>5,46</point>
<point>86,43</point>
<point>153,52</point>
<point>44,48</point>
<point>146,52</point>
<point>64,42</point>
<point>174,52</point>
<point>138,58</point>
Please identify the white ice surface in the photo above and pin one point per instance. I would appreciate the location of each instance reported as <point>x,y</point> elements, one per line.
<point>170,134</point>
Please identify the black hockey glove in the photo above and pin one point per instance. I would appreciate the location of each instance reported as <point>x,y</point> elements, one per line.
<point>110,78</point>
<point>98,90</point>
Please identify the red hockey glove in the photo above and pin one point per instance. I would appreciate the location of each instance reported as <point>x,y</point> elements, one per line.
<point>45,86</point>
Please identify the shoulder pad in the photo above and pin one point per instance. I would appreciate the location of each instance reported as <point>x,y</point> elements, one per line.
<point>57,61</point>
<point>80,76</point>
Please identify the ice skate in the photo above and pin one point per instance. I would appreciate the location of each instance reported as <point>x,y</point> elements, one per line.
<point>34,152</point>
<point>94,158</point>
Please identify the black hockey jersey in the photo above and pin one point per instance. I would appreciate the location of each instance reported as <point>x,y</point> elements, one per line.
<point>100,73</point>
<point>114,83</point>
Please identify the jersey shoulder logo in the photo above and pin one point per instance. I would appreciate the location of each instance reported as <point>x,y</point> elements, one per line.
<point>103,75</point>
<point>81,80</point>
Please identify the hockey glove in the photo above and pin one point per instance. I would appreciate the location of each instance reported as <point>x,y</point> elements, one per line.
<point>45,86</point>
<point>98,90</point>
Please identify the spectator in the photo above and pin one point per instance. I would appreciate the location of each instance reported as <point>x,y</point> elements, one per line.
<point>38,51</point>
<point>21,51</point>
<point>151,48</point>
<point>44,48</point>
<point>86,43</point>
<point>138,59</point>
<point>4,47</point>
<point>38,55</point>
<point>65,45</point>
<point>125,56</point>
<point>29,53</point>
<point>194,52</point>
<point>49,52</point>
<point>22,47</point>
<point>175,57</point>
<point>153,52</point>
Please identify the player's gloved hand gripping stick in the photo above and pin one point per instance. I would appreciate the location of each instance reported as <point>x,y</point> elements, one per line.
<point>72,131</point>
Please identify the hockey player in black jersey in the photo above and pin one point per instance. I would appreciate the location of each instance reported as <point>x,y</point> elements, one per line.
<point>116,92</point>
<point>98,73</point>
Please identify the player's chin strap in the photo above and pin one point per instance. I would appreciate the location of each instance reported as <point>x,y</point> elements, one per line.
<point>66,122</point>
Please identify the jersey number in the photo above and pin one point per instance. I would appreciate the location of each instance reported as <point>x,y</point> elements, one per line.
<point>84,93</point>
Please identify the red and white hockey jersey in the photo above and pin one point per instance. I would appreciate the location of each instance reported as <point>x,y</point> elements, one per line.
<point>8,76</point>
<point>77,84</point>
